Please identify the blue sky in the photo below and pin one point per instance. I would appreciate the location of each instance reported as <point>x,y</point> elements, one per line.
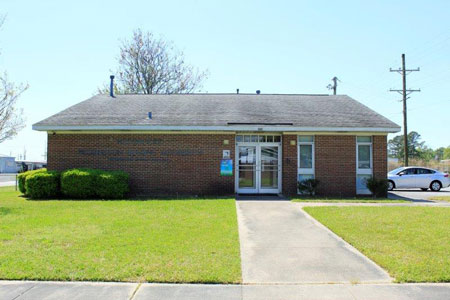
<point>65,50</point>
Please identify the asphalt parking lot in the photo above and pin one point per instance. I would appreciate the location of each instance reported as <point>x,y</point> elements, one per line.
<point>417,194</point>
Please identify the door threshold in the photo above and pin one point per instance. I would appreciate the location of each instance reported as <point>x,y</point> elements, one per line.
<point>261,197</point>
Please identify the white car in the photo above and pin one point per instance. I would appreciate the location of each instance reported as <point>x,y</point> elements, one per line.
<point>417,177</point>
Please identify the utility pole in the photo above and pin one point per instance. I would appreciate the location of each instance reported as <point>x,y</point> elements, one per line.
<point>404,92</point>
<point>334,86</point>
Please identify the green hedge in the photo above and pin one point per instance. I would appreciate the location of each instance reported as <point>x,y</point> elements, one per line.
<point>90,183</point>
<point>42,185</point>
<point>79,183</point>
<point>74,183</point>
<point>112,185</point>
<point>23,176</point>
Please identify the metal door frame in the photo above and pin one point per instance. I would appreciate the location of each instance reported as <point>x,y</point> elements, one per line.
<point>258,189</point>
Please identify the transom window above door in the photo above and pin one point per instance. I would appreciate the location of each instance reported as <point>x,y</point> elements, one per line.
<point>257,138</point>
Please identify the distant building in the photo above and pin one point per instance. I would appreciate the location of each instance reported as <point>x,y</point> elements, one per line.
<point>27,165</point>
<point>7,164</point>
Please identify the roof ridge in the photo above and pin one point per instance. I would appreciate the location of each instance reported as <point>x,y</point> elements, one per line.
<point>213,94</point>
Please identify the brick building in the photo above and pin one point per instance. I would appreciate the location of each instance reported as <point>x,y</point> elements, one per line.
<point>204,144</point>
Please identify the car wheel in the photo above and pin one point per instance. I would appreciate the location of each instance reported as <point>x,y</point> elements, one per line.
<point>435,186</point>
<point>391,185</point>
<point>424,189</point>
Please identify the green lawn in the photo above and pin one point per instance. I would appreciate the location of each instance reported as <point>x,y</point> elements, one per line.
<point>441,198</point>
<point>411,243</point>
<point>155,241</point>
<point>346,200</point>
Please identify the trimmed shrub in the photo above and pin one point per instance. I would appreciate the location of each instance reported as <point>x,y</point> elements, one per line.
<point>378,187</point>
<point>79,183</point>
<point>42,184</point>
<point>23,176</point>
<point>112,184</point>
<point>308,186</point>
<point>90,183</point>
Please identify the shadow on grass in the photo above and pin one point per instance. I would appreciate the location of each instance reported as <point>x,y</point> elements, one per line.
<point>5,211</point>
<point>393,196</point>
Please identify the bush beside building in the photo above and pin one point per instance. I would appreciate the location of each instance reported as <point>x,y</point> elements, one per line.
<point>74,183</point>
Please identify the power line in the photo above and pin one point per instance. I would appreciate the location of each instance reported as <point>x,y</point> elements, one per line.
<point>404,92</point>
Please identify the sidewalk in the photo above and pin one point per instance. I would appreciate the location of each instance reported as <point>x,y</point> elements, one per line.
<point>281,244</point>
<point>34,290</point>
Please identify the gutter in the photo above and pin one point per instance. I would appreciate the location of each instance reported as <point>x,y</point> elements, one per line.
<point>251,128</point>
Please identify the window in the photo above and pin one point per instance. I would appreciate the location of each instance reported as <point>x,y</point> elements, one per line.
<point>410,171</point>
<point>424,171</point>
<point>364,157</point>
<point>364,139</point>
<point>305,157</point>
<point>361,181</point>
<point>364,152</point>
<point>305,139</point>
<point>363,163</point>
<point>256,138</point>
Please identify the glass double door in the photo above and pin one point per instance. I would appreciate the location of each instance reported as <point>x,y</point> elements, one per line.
<point>259,168</point>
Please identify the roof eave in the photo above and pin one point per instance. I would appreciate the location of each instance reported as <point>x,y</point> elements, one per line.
<point>38,127</point>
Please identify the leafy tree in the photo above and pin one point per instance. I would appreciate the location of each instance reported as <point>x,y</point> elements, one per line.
<point>416,149</point>
<point>426,153</point>
<point>11,120</point>
<point>447,153</point>
<point>439,153</point>
<point>150,65</point>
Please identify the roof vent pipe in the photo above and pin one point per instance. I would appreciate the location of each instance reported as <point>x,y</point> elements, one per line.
<point>258,92</point>
<point>111,87</point>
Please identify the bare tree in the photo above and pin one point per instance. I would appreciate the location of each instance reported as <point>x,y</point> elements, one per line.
<point>150,65</point>
<point>11,120</point>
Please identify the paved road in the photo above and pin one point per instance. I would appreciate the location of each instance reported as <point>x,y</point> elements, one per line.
<point>281,244</point>
<point>32,290</point>
<point>417,194</point>
<point>7,179</point>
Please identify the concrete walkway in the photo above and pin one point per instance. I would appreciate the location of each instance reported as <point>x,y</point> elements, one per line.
<point>33,290</point>
<point>281,244</point>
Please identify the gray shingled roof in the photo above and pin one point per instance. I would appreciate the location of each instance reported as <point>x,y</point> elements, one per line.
<point>218,110</point>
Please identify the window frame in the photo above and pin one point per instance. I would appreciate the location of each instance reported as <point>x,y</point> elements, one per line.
<point>365,171</point>
<point>306,171</point>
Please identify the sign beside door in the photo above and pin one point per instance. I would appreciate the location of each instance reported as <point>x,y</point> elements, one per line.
<point>226,167</point>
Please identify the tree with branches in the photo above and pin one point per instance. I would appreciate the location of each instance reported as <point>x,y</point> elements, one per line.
<point>150,65</point>
<point>11,121</point>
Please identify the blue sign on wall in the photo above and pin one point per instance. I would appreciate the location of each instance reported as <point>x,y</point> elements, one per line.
<point>226,167</point>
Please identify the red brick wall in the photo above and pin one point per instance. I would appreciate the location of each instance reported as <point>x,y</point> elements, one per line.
<point>379,156</point>
<point>289,166</point>
<point>157,163</point>
<point>335,164</point>
<point>190,163</point>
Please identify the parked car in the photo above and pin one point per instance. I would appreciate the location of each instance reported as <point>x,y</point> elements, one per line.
<point>417,177</point>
